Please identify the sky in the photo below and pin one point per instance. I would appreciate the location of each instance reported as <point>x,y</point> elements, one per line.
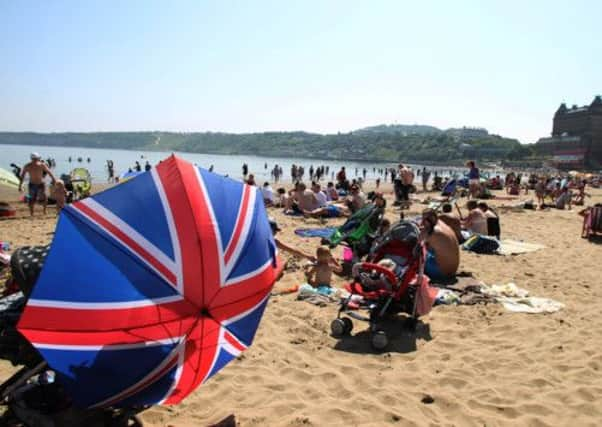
<point>319,66</point>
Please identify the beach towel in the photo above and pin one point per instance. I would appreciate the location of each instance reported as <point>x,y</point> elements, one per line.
<point>324,233</point>
<point>515,247</point>
<point>517,300</point>
<point>532,305</point>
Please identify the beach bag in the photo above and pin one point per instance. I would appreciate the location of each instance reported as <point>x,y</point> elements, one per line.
<point>481,244</point>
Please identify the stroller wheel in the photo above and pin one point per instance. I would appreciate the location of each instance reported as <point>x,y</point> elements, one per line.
<point>339,327</point>
<point>348,325</point>
<point>379,340</point>
<point>411,323</point>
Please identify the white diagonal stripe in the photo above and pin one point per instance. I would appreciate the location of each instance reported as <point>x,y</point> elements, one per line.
<point>108,347</point>
<point>175,242</point>
<point>130,232</point>
<point>242,240</point>
<point>103,305</point>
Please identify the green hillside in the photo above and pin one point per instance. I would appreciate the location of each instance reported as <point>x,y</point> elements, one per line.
<point>367,144</point>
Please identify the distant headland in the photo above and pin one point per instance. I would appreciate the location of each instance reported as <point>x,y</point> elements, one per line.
<point>414,143</point>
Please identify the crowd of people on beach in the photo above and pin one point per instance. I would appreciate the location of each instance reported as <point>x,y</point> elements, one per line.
<point>444,227</point>
<point>331,194</point>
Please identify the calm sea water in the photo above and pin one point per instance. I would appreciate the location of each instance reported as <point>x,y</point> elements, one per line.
<point>230,165</point>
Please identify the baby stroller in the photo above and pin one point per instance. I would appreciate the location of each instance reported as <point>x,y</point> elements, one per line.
<point>31,395</point>
<point>358,231</point>
<point>389,283</point>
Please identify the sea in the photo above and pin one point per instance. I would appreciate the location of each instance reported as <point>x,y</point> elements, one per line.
<point>95,160</point>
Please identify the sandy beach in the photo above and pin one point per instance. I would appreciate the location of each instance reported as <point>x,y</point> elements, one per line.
<point>474,365</point>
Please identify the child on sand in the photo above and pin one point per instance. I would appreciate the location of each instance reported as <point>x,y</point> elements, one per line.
<point>319,275</point>
<point>60,195</point>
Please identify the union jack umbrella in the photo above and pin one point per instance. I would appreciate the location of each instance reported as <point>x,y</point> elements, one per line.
<point>153,286</point>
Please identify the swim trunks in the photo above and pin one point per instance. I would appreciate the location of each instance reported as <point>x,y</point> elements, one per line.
<point>332,211</point>
<point>37,192</point>
<point>431,268</point>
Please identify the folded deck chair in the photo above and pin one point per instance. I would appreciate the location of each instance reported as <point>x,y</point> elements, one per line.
<point>592,223</point>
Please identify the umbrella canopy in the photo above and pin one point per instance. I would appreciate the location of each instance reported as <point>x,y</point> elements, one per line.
<point>8,179</point>
<point>126,176</point>
<point>151,287</point>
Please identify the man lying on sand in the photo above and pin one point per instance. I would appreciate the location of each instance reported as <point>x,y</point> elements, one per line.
<point>443,257</point>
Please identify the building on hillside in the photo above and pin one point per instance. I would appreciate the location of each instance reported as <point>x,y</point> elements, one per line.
<point>467,134</point>
<point>576,140</point>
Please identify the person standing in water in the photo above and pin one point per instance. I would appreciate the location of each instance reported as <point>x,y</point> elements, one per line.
<point>36,187</point>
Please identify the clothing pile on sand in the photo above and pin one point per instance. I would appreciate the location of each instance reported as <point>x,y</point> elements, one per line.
<point>513,298</point>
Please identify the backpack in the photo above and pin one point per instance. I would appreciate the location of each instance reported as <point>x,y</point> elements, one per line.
<point>481,244</point>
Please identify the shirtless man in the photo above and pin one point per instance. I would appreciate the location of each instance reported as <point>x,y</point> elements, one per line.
<point>475,222</point>
<point>357,199</point>
<point>306,199</point>
<point>443,257</point>
<point>452,221</point>
<point>37,192</point>
<point>407,179</point>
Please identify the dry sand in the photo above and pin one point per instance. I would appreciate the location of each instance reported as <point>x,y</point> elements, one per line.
<point>480,364</point>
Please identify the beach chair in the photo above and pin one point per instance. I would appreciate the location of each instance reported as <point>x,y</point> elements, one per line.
<point>592,221</point>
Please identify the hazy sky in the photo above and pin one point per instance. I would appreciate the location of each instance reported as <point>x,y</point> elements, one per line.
<point>320,66</point>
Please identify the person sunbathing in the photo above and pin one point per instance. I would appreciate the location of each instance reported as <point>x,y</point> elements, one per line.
<point>443,256</point>
<point>475,222</point>
<point>306,199</point>
<point>332,194</point>
<point>484,207</point>
<point>329,211</point>
<point>301,200</point>
<point>357,200</point>
<point>451,220</point>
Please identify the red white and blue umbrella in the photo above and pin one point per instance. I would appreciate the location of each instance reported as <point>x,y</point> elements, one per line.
<point>151,287</point>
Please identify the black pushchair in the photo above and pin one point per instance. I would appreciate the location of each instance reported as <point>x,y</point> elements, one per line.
<point>388,283</point>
